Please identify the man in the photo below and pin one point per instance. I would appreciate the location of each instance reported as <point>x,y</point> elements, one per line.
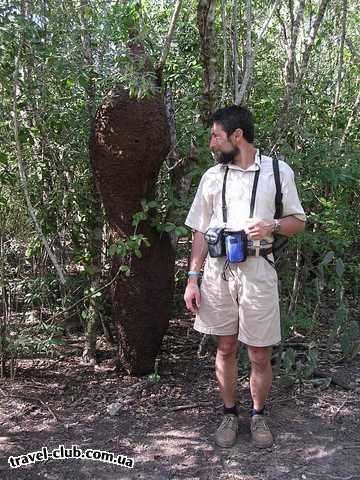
<point>239,301</point>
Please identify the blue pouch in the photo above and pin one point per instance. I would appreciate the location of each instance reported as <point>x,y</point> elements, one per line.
<point>236,246</point>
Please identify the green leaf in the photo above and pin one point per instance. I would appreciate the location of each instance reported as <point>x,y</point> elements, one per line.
<point>288,358</point>
<point>339,267</point>
<point>138,217</point>
<point>153,204</point>
<point>3,158</point>
<point>169,227</point>
<point>327,258</point>
<point>89,269</point>
<point>112,250</point>
<point>56,341</point>
<point>181,231</point>
<point>69,83</point>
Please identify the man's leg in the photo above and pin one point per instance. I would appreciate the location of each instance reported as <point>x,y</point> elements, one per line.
<point>260,384</point>
<point>261,375</point>
<point>226,374</point>
<point>226,368</point>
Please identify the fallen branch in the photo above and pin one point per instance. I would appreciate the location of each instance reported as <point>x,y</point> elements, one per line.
<point>189,407</point>
<point>339,409</point>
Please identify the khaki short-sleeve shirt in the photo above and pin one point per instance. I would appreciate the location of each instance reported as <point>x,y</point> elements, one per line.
<point>206,209</point>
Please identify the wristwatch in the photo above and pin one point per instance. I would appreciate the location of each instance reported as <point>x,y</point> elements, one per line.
<point>276,226</point>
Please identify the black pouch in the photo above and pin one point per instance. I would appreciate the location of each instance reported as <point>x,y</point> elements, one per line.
<point>215,240</point>
<point>236,246</point>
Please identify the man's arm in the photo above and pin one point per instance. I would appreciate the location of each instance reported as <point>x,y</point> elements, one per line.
<point>288,226</point>
<point>199,251</point>
<point>198,255</point>
<point>291,225</point>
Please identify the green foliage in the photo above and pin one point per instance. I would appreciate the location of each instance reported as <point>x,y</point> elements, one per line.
<point>295,370</point>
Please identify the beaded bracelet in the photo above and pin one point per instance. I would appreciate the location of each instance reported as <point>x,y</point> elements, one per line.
<point>194,274</point>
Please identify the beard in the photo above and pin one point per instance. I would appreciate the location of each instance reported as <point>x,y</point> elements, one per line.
<point>227,157</point>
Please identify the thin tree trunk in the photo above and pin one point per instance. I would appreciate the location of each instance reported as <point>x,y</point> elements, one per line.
<point>251,51</point>
<point>4,319</point>
<point>96,217</point>
<point>236,67</point>
<point>353,115</point>
<point>340,62</point>
<point>205,20</point>
<point>290,65</point>
<point>239,94</point>
<point>159,67</point>
<point>296,283</point>
<point>225,72</point>
<point>311,39</point>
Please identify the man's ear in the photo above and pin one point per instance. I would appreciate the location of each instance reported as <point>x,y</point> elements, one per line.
<point>238,134</point>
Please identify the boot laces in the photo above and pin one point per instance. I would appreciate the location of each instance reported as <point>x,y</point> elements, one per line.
<point>228,422</point>
<point>260,424</point>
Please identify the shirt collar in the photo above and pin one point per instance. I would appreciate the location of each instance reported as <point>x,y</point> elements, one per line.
<point>255,166</point>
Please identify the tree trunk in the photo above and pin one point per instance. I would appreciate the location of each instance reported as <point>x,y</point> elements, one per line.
<point>205,18</point>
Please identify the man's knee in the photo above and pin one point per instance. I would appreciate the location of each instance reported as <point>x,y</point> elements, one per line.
<point>259,357</point>
<point>227,345</point>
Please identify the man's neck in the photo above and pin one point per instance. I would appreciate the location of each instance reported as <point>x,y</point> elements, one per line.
<point>246,157</point>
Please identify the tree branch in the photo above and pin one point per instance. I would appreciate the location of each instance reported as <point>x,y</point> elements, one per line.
<point>166,47</point>
<point>312,36</point>
<point>250,59</point>
<point>352,49</point>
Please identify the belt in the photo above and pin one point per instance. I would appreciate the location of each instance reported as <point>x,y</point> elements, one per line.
<point>258,251</point>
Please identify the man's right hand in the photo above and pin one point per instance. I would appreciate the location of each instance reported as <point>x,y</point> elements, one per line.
<point>192,297</point>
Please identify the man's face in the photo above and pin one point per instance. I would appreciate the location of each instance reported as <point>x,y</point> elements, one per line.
<point>221,144</point>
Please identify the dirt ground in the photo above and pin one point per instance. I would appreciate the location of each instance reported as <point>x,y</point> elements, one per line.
<point>167,425</point>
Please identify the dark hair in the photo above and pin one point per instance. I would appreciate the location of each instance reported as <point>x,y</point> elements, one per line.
<point>234,117</point>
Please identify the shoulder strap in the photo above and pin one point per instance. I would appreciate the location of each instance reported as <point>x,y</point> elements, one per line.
<point>278,195</point>
<point>253,194</point>
<point>224,208</point>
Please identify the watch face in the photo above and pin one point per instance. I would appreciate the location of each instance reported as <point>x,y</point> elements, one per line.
<point>277,226</point>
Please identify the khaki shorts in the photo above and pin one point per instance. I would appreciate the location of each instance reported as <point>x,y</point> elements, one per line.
<point>246,303</point>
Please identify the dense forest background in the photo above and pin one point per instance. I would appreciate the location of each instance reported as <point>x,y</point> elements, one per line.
<point>294,63</point>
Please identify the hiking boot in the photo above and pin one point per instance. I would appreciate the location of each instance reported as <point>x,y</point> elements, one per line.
<point>260,432</point>
<point>227,432</point>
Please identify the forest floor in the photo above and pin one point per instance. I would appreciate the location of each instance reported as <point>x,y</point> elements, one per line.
<point>167,424</point>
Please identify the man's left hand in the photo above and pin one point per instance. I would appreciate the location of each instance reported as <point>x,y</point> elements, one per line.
<point>259,229</point>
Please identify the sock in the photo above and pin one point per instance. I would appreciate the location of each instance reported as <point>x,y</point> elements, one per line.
<point>232,410</point>
<point>253,412</point>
